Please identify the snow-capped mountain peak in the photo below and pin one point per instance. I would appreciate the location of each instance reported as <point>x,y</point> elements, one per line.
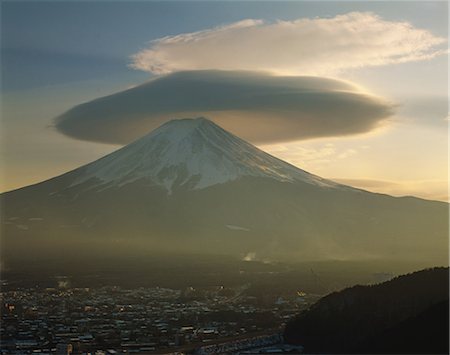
<point>193,153</point>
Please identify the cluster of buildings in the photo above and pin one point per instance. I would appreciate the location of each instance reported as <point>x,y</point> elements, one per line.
<point>110,320</point>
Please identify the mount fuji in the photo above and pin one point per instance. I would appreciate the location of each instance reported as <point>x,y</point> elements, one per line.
<point>194,154</point>
<point>191,187</point>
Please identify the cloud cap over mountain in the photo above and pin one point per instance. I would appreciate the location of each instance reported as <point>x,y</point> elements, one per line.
<point>255,106</point>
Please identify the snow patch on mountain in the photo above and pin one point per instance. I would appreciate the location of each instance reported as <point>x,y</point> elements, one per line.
<point>194,153</point>
<point>237,228</point>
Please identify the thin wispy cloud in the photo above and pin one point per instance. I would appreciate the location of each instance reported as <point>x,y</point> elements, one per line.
<point>308,157</point>
<point>428,189</point>
<point>317,46</point>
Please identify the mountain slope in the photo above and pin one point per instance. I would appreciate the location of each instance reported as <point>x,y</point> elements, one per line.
<point>191,187</point>
<point>429,329</point>
<point>380,318</point>
<point>195,153</point>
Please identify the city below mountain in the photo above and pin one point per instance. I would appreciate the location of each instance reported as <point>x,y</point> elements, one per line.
<point>190,187</point>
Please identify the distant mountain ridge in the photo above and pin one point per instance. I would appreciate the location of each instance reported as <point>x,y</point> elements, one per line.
<point>192,187</point>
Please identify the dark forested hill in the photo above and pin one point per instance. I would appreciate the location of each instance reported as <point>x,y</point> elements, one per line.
<point>408,315</point>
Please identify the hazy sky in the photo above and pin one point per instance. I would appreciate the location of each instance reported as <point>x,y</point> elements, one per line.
<point>58,54</point>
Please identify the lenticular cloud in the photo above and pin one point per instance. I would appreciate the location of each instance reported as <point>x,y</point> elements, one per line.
<point>258,107</point>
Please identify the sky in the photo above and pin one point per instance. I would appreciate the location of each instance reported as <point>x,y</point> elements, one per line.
<point>352,91</point>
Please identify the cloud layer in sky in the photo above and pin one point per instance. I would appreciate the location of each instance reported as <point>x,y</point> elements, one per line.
<point>317,46</point>
<point>258,107</point>
<point>428,189</point>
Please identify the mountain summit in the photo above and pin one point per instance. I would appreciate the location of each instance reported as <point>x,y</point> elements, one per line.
<point>192,153</point>
<point>191,187</point>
